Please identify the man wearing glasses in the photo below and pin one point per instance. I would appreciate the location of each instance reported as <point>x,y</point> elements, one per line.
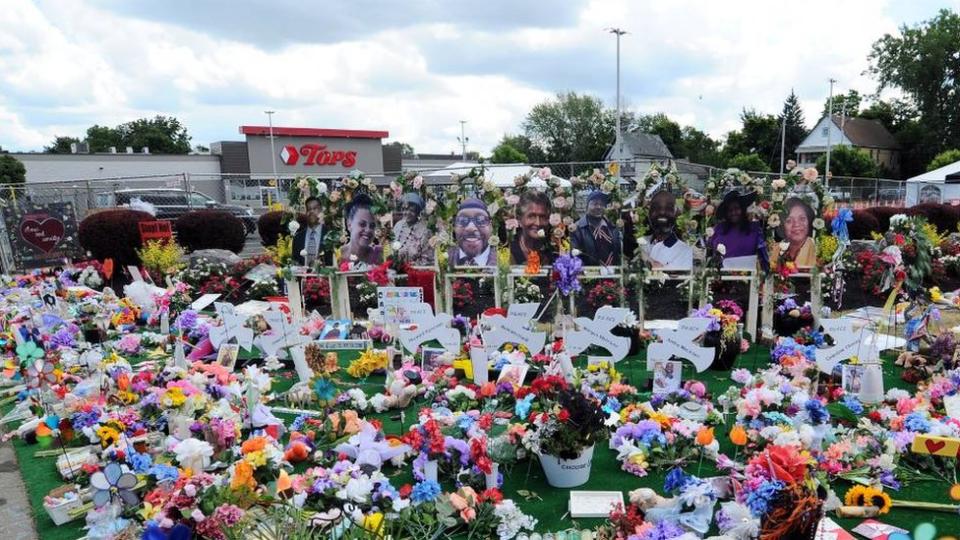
<point>472,228</point>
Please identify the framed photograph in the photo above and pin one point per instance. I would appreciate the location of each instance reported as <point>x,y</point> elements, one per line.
<point>513,374</point>
<point>432,358</point>
<point>335,329</point>
<point>666,376</point>
<point>227,355</point>
<point>852,379</point>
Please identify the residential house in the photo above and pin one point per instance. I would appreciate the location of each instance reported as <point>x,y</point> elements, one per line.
<point>867,135</point>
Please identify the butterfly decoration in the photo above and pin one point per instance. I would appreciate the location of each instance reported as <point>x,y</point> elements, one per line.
<point>114,482</point>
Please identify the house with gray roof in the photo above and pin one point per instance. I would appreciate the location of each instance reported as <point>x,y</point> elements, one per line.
<point>867,135</point>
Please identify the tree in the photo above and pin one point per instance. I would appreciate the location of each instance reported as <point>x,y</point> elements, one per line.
<point>923,61</point>
<point>669,131</point>
<point>848,105</point>
<point>700,148</point>
<point>571,127</point>
<point>748,162</point>
<point>795,129</point>
<point>848,161</point>
<point>406,150</point>
<point>505,153</point>
<point>201,149</point>
<point>12,170</point>
<point>944,158</point>
<point>759,135</point>
<point>101,138</point>
<point>525,146</point>
<point>161,134</point>
<point>61,145</point>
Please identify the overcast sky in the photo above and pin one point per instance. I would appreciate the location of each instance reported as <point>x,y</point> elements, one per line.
<point>415,68</point>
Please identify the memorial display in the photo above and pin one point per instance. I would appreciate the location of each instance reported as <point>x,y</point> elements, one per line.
<point>218,402</point>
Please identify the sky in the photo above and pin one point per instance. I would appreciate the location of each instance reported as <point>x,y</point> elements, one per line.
<point>416,68</point>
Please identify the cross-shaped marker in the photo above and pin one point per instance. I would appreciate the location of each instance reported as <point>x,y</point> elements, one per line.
<point>597,331</point>
<point>682,343</point>
<point>514,329</point>
<point>231,327</point>
<point>282,334</point>
<point>429,327</point>
<point>846,343</point>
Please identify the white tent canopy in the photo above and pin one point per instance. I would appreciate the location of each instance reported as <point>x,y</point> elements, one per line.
<point>932,186</point>
<point>501,175</point>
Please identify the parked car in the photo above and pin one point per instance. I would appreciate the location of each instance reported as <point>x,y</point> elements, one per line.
<point>172,203</point>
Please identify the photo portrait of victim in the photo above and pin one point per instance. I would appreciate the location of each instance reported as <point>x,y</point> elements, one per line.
<point>472,229</point>
<point>665,250</point>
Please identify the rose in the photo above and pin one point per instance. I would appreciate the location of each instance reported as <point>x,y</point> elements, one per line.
<point>779,183</point>
<point>810,174</point>
<point>557,233</point>
<point>417,181</point>
<point>721,249</point>
<point>431,206</point>
<point>555,219</point>
<point>709,210</point>
<point>334,196</point>
<point>293,226</point>
<point>774,221</point>
<point>818,224</point>
<point>512,224</point>
<point>784,245</point>
<point>786,463</point>
<point>396,189</point>
<point>710,232</point>
<point>512,200</point>
<point>541,233</point>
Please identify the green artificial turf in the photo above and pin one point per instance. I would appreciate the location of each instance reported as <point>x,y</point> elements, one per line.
<point>547,504</point>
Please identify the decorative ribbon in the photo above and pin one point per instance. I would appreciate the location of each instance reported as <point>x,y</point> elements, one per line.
<point>839,225</point>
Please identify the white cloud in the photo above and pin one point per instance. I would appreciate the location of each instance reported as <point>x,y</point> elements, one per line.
<point>67,65</point>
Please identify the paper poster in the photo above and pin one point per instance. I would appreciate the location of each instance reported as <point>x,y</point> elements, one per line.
<point>395,304</point>
<point>201,303</point>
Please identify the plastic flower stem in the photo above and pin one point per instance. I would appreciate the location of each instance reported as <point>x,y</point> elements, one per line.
<point>940,507</point>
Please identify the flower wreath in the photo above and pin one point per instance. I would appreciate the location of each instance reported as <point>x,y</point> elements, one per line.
<point>562,219</point>
<point>690,205</point>
<point>413,182</point>
<point>335,196</point>
<point>806,185</point>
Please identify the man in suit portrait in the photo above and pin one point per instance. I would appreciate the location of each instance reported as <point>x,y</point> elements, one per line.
<point>472,228</point>
<point>308,249</point>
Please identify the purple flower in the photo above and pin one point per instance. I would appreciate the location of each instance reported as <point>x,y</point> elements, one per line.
<point>187,320</point>
<point>568,269</point>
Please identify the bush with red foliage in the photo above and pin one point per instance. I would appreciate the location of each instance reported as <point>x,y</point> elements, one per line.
<point>113,234</point>
<point>883,215</point>
<point>944,216</point>
<point>872,270</point>
<point>270,226</point>
<point>863,224</point>
<point>210,229</point>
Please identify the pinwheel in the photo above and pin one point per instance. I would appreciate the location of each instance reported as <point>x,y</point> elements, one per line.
<point>112,482</point>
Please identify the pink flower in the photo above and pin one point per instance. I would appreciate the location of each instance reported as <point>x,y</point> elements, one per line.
<point>545,173</point>
<point>554,219</point>
<point>810,174</point>
<point>417,181</point>
<point>512,224</point>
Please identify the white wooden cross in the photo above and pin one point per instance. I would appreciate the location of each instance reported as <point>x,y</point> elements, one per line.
<point>514,329</point>
<point>597,331</point>
<point>231,327</point>
<point>429,327</point>
<point>682,343</point>
<point>846,343</point>
<point>282,334</point>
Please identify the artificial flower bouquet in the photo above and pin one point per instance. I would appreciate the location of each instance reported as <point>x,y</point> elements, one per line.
<point>724,332</point>
<point>565,423</point>
<point>789,317</point>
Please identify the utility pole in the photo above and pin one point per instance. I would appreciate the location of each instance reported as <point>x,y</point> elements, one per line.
<point>826,173</point>
<point>618,155</point>
<point>463,139</point>
<point>783,142</point>
<point>273,148</point>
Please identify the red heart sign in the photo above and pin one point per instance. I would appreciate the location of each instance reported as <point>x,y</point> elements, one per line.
<point>934,446</point>
<point>41,232</point>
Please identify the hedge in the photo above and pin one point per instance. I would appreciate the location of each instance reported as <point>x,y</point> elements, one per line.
<point>864,222</point>
<point>270,227</point>
<point>113,234</point>
<point>210,229</point>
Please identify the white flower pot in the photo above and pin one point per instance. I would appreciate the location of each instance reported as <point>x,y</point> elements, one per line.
<point>430,470</point>
<point>871,389</point>
<point>567,473</point>
<point>478,362</point>
<point>492,477</point>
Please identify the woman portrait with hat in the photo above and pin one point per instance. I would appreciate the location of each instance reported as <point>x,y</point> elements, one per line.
<point>598,240</point>
<point>739,236</point>
<point>411,232</point>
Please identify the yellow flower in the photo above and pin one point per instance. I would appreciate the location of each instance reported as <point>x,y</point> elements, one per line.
<point>173,397</point>
<point>370,361</point>
<point>935,294</point>
<point>373,523</point>
<point>256,459</point>
<point>108,436</point>
<point>868,496</point>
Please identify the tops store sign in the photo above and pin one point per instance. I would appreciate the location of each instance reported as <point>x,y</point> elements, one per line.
<point>41,235</point>
<point>313,151</point>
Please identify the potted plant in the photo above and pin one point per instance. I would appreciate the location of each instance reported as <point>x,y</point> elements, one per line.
<point>563,434</point>
<point>790,317</point>
<point>724,333</point>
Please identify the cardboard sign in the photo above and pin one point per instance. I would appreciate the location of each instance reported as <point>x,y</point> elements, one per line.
<point>428,327</point>
<point>282,334</point>
<point>682,343</point>
<point>41,235</point>
<point>514,329</point>
<point>936,446</point>
<point>135,273</point>
<point>395,304</point>
<point>597,331</point>
<point>261,272</point>
<point>231,327</point>
<point>155,230</point>
<point>201,303</point>
<point>846,344</point>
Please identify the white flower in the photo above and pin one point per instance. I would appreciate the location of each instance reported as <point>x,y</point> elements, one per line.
<point>774,221</point>
<point>784,245</point>
<point>353,258</point>
<point>293,226</point>
<point>721,249</point>
<point>643,241</point>
<point>303,252</point>
<point>818,224</point>
<point>541,233</point>
<point>575,252</point>
<point>897,220</point>
<point>321,188</point>
<point>396,245</point>
<point>357,489</point>
<point>779,183</point>
<point>710,232</point>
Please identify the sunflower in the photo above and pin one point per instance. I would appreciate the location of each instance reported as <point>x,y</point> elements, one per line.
<point>868,496</point>
<point>855,496</point>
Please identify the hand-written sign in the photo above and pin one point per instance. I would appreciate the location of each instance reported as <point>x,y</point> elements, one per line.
<point>41,235</point>
<point>682,343</point>
<point>155,230</point>
<point>936,446</point>
<point>514,329</point>
<point>428,327</point>
<point>282,334</point>
<point>597,331</point>
<point>846,343</point>
<point>231,327</point>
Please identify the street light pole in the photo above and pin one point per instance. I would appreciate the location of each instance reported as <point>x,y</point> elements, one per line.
<point>273,148</point>
<point>618,143</point>
<point>463,140</point>
<point>826,173</point>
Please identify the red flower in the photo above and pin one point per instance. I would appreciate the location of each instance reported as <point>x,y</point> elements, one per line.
<point>785,462</point>
<point>491,495</point>
<point>564,415</point>
<point>405,491</point>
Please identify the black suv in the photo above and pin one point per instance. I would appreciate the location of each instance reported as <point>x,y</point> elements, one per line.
<point>172,203</point>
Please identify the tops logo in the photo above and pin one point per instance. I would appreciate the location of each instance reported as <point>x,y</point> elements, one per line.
<point>317,154</point>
